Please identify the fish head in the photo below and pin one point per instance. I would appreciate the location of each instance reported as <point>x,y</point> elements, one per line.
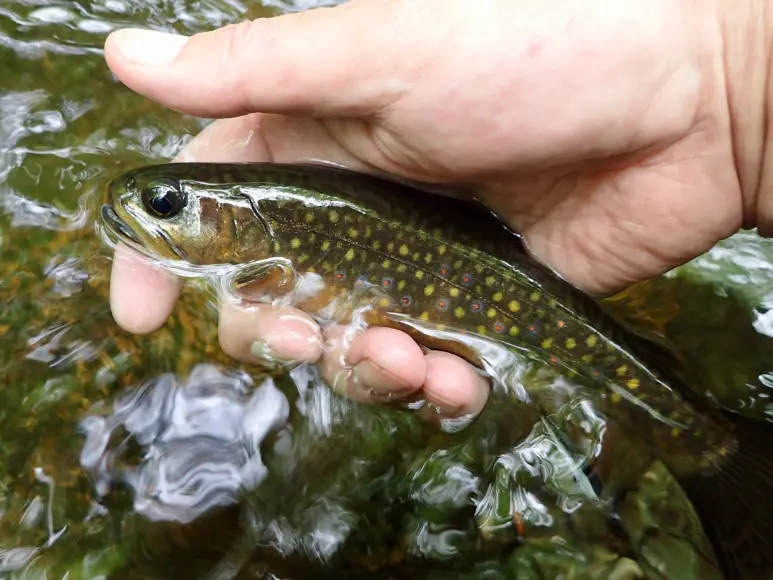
<point>165,212</point>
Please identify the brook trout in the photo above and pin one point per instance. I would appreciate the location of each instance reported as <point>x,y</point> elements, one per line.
<point>443,263</point>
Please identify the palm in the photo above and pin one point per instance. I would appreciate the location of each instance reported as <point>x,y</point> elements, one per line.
<point>601,224</point>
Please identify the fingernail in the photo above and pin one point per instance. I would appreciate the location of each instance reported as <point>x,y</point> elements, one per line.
<point>263,352</point>
<point>148,47</point>
<point>292,345</point>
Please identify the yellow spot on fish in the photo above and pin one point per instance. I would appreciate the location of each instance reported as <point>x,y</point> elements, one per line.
<point>587,358</point>
<point>429,289</point>
<point>349,255</point>
<point>441,250</point>
<point>621,370</point>
<point>592,340</point>
<point>384,302</point>
<point>514,306</point>
<point>415,256</point>
<point>333,216</point>
<point>401,285</point>
<point>277,247</point>
<point>295,243</point>
<point>497,296</point>
<point>368,231</point>
<point>454,292</point>
<point>459,312</point>
<point>675,432</point>
<point>386,263</point>
<point>402,268</point>
<point>419,274</point>
<point>570,343</point>
<point>391,247</point>
<point>303,258</point>
<point>633,384</point>
<point>547,343</point>
<point>403,250</point>
<point>427,258</point>
<point>514,331</point>
<point>482,329</point>
<point>616,398</point>
<point>352,233</point>
<point>309,217</point>
<point>458,264</point>
<point>534,296</point>
<point>491,313</point>
<point>424,315</point>
<point>490,280</point>
<point>376,244</point>
<point>325,245</point>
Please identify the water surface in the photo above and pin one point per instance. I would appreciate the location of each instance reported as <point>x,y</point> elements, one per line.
<point>159,457</point>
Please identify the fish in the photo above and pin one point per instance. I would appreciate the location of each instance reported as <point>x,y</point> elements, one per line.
<point>442,267</point>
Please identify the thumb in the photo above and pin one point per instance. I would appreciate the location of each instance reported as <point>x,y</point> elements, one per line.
<point>326,61</point>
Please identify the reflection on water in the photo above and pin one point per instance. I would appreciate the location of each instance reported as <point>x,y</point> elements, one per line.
<point>200,442</point>
<point>159,457</point>
<point>299,5</point>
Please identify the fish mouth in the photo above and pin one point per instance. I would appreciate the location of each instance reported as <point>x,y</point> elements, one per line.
<point>119,226</point>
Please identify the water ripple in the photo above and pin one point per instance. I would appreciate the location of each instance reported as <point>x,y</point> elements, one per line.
<point>300,5</point>
<point>200,442</point>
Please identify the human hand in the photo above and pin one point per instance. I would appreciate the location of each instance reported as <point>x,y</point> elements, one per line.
<point>620,139</point>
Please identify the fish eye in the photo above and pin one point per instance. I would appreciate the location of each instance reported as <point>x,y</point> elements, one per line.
<point>163,197</point>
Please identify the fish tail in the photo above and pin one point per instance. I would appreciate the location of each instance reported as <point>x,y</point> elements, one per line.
<point>734,503</point>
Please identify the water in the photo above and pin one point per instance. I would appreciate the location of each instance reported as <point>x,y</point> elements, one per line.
<point>159,457</point>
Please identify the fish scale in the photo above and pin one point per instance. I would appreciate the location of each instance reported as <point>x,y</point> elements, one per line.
<point>452,264</point>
